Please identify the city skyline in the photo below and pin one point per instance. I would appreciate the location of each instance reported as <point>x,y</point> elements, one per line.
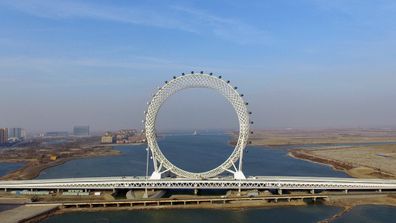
<point>315,64</point>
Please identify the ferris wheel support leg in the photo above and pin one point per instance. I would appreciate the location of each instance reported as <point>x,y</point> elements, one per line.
<point>238,175</point>
<point>155,175</point>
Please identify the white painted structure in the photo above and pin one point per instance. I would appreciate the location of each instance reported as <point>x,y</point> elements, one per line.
<point>234,163</point>
<point>288,183</point>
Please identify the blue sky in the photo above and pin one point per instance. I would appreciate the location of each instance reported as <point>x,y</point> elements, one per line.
<point>305,63</point>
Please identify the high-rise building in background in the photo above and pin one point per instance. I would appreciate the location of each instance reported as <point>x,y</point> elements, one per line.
<point>82,130</point>
<point>16,133</point>
<point>3,136</point>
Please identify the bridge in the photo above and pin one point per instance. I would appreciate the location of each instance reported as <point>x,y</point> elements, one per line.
<point>261,183</point>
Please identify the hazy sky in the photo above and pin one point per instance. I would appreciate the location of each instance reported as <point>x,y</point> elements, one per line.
<point>305,63</point>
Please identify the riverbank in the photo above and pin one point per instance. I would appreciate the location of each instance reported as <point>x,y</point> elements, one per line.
<point>33,167</point>
<point>348,203</point>
<point>377,161</point>
<point>28,213</point>
<point>192,205</point>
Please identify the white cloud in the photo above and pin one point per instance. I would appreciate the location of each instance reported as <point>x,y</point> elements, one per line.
<point>177,17</point>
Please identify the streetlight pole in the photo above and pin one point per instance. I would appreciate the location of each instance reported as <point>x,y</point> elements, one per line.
<point>147,161</point>
<point>145,195</point>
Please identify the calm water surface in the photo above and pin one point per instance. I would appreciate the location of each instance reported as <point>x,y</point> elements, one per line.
<point>8,167</point>
<point>200,153</point>
<point>273,215</point>
<point>369,214</point>
<point>193,153</point>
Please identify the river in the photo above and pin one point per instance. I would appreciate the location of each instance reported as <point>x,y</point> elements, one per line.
<point>9,167</point>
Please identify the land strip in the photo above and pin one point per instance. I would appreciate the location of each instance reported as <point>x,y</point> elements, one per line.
<point>320,136</point>
<point>38,156</point>
<point>375,161</point>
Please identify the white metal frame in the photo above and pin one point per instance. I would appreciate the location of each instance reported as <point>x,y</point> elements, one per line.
<point>234,161</point>
<point>291,183</point>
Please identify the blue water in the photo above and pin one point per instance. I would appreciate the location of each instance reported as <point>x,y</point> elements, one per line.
<point>200,153</point>
<point>369,214</point>
<point>273,215</point>
<point>8,167</point>
<point>192,153</point>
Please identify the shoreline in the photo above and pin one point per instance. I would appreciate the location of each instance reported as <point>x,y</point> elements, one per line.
<point>349,168</point>
<point>30,170</point>
<point>346,206</point>
<point>233,206</point>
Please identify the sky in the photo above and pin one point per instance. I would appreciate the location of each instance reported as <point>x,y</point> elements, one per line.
<point>300,64</point>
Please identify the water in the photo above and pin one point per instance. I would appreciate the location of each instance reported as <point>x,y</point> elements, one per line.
<point>9,167</point>
<point>273,215</point>
<point>192,153</point>
<point>200,153</point>
<point>369,214</point>
<point>5,207</point>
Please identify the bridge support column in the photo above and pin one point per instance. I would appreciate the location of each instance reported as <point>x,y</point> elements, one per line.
<point>280,191</point>
<point>145,195</point>
<point>312,191</point>
<point>195,191</point>
<point>380,190</point>
<point>346,191</point>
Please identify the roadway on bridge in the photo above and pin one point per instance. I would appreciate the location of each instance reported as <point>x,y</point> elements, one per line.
<point>258,182</point>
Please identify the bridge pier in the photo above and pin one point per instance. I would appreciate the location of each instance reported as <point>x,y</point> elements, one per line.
<point>346,191</point>
<point>280,191</point>
<point>312,191</point>
<point>145,194</point>
<point>195,191</point>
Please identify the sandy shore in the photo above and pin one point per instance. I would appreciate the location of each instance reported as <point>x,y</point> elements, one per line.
<point>377,161</point>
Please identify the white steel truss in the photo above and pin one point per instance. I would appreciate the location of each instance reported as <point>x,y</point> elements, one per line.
<point>234,162</point>
<point>290,183</point>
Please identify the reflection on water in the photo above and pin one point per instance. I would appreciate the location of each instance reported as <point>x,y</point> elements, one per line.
<point>307,214</point>
<point>193,153</point>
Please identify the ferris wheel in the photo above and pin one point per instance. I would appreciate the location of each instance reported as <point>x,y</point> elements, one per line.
<point>233,163</point>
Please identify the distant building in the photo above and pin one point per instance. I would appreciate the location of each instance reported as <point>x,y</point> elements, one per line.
<point>124,136</point>
<point>107,138</point>
<point>82,130</point>
<point>3,136</point>
<point>56,134</point>
<point>16,133</point>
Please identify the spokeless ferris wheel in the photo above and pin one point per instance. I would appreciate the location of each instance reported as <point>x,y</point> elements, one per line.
<point>233,164</point>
